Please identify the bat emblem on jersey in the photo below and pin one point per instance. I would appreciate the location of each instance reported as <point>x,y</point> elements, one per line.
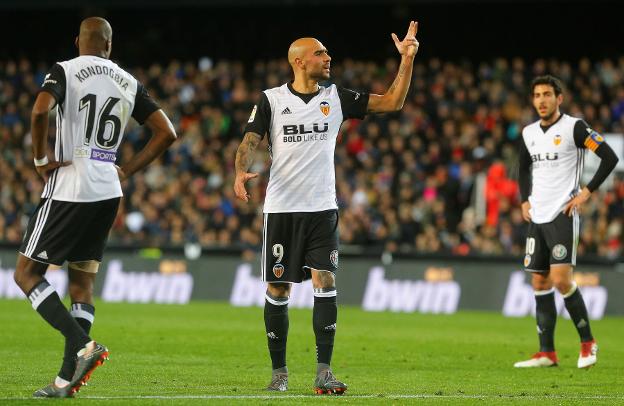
<point>278,270</point>
<point>324,106</point>
<point>557,139</point>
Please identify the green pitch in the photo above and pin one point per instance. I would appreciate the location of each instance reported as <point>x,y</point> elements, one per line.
<point>213,353</point>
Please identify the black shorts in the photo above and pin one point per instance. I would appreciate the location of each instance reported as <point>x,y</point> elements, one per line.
<point>552,243</point>
<point>294,243</point>
<point>69,231</point>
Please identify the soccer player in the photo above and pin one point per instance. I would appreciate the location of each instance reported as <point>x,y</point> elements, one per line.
<point>300,236</point>
<point>94,100</point>
<point>551,163</point>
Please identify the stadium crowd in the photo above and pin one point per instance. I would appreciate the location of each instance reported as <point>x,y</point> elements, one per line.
<point>406,182</point>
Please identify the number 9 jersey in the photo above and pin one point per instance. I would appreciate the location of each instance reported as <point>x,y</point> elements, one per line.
<point>95,99</point>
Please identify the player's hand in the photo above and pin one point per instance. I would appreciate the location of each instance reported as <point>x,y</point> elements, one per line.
<point>409,45</point>
<point>120,172</point>
<point>576,202</point>
<point>526,214</point>
<point>239,185</point>
<point>44,170</point>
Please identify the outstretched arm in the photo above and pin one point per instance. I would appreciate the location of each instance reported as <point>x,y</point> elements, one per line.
<point>395,96</point>
<point>244,159</point>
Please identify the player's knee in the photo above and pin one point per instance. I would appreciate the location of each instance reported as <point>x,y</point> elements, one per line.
<point>563,285</point>
<point>541,282</point>
<point>279,290</point>
<point>25,271</point>
<point>323,280</point>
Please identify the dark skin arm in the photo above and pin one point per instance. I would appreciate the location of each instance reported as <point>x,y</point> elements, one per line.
<point>244,159</point>
<point>39,120</point>
<point>163,135</point>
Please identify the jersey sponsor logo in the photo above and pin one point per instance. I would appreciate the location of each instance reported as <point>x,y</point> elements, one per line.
<point>252,117</point>
<point>286,111</point>
<point>294,129</point>
<point>82,152</point>
<point>324,106</point>
<point>548,156</point>
<point>557,139</point>
<point>559,251</point>
<point>278,270</point>
<point>104,156</point>
<point>333,257</point>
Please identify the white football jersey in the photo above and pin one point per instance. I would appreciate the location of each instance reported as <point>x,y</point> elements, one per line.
<point>95,99</point>
<point>302,140</point>
<point>556,167</point>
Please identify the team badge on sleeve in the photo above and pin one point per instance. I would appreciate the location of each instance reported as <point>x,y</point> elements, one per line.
<point>333,257</point>
<point>252,117</point>
<point>324,108</point>
<point>593,140</point>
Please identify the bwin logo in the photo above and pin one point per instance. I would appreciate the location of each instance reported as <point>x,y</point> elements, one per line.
<point>545,157</point>
<point>409,295</point>
<point>295,129</point>
<point>144,287</point>
<point>520,299</point>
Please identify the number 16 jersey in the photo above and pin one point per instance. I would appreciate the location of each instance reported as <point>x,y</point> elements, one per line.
<point>95,98</point>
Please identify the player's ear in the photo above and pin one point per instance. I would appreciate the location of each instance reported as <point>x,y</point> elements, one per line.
<point>109,47</point>
<point>77,42</point>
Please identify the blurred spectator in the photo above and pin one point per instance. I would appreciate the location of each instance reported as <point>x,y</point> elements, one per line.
<point>405,182</point>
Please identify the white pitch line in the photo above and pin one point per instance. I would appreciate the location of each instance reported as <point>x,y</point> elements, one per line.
<point>380,396</point>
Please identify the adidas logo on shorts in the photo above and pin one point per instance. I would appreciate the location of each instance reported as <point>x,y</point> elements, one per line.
<point>43,255</point>
<point>286,111</point>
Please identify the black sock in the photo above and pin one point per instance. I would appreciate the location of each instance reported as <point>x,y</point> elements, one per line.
<point>276,324</point>
<point>578,313</point>
<point>324,318</point>
<point>546,315</point>
<point>47,303</point>
<point>84,314</point>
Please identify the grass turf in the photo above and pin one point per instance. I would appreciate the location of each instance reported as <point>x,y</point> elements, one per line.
<point>215,353</point>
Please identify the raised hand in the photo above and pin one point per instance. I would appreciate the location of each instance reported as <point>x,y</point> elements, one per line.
<point>409,45</point>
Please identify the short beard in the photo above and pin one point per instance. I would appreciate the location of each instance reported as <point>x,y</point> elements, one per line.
<point>549,116</point>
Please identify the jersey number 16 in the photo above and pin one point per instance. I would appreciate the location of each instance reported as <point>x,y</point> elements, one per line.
<point>89,102</point>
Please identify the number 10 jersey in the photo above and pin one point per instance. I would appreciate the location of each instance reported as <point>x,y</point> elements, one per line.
<point>95,99</point>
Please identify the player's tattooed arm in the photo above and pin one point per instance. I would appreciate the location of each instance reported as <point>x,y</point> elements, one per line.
<point>395,96</point>
<point>244,159</point>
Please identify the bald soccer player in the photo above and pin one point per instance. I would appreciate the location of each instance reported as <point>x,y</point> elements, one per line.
<point>94,100</point>
<point>300,238</point>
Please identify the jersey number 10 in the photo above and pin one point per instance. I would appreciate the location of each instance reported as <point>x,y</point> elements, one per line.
<point>89,102</point>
